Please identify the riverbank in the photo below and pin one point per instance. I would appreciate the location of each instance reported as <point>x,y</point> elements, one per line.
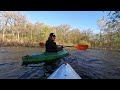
<point>24,43</point>
<point>30,43</point>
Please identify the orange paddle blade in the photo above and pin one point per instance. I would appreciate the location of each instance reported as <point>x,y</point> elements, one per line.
<point>41,44</point>
<point>82,47</point>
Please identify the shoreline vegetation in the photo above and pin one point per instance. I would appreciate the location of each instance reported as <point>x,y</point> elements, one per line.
<point>16,43</point>
<point>8,43</point>
<point>16,30</point>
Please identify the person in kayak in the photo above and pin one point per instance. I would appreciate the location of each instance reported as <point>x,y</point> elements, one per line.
<point>51,46</point>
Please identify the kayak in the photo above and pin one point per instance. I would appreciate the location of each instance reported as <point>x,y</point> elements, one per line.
<point>65,71</point>
<point>44,57</point>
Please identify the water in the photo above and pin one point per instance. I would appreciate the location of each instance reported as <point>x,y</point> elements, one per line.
<point>89,64</point>
<point>14,54</point>
<point>97,64</point>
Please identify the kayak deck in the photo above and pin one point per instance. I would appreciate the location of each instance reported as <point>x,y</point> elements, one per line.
<point>65,71</point>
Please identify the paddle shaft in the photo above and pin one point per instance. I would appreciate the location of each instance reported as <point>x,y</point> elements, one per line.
<point>65,46</point>
<point>68,46</point>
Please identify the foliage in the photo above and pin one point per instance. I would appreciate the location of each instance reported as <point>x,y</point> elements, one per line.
<point>110,30</point>
<point>15,28</point>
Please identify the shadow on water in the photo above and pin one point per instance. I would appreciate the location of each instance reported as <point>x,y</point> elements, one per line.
<point>89,64</point>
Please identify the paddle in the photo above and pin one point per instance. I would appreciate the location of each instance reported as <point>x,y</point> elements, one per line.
<point>65,46</point>
<point>41,44</point>
<point>78,47</point>
<point>82,47</point>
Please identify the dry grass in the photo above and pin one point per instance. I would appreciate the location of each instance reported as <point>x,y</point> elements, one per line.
<point>14,42</point>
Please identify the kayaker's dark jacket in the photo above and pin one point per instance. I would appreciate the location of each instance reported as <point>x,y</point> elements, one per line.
<point>52,47</point>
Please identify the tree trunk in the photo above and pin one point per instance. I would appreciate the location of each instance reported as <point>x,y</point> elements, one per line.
<point>3,33</point>
<point>31,35</point>
<point>63,40</point>
<point>18,36</point>
<point>13,33</point>
<point>22,35</point>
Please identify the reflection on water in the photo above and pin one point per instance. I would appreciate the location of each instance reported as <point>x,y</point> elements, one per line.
<point>89,64</point>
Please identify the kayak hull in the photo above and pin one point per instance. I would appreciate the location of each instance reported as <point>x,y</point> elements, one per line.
<point>44,57</point>
<point>65,71</point>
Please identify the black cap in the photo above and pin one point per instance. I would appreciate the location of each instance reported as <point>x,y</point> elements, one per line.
<point>52,34</point>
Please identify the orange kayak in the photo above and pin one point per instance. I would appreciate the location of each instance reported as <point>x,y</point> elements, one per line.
<point>81,47</point>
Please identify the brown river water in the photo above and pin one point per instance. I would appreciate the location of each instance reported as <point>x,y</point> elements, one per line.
<point>89,64</point>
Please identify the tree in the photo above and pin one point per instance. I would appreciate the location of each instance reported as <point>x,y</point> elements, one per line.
<point>13,21</point>
<point>30,28</point>
<point>109,29</point>
<point>62,32</point>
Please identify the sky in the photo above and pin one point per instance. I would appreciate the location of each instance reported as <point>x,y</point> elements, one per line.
<point>77,19</point>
